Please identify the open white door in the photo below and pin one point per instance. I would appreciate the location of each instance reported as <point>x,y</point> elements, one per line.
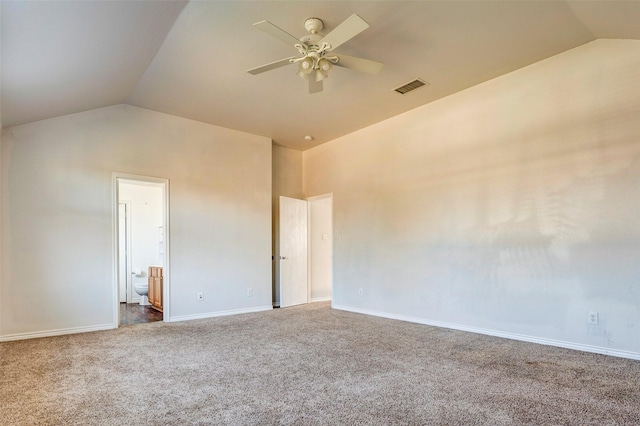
<point>123,270</point>
<point>292,256</point>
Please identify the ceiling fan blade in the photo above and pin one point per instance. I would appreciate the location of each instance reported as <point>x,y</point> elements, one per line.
<point>277,32</point>
<point>315,86</point>
<point>363,65</point>
<point>270,66</point>
<point>351,27</point>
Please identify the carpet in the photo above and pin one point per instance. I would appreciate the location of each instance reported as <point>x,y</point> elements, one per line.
<point>308,365</point>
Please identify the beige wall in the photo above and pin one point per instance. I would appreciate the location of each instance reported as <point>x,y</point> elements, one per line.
<point>511,208</point>
<point>287,172</point>
<point>57,216</point>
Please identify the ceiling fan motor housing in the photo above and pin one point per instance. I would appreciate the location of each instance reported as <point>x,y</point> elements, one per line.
<point>313,25</point>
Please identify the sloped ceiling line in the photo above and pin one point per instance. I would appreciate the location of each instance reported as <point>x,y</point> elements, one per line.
<point>189,59</point>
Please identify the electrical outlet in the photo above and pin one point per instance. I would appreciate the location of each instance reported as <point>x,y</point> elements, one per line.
<point>200,295</point>
<point>249,292</point>
<point>360,291</point>
<point>592,318</point>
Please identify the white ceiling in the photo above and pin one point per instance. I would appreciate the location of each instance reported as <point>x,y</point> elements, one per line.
<point>190,58</point>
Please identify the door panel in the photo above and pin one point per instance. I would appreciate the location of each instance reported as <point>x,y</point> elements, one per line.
<point>292,255</point>
<point>123,271</point>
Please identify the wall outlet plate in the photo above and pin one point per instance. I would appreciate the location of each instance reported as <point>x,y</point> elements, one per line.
<point>592,318</point>
<point>200,295</point>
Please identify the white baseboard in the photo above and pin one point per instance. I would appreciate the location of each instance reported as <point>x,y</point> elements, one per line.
<point>74,330</point>
<point>58,332</point>
<point>218,314</point>
<point>321,299</point>
<point>513,336</point>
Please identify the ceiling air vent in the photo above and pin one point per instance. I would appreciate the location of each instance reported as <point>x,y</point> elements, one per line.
<point>412,85</point>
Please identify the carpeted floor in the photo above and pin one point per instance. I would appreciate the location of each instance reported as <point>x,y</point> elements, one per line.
<point>308,365</point>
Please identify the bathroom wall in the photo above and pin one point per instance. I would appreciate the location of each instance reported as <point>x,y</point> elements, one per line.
<point>57,272</point>
<point>511,208</point>
<point>145,221</point>
<point>320,248</point>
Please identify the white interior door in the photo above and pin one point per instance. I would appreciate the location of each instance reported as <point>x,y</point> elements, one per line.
<point>292,256</point>
<point>123,267</point>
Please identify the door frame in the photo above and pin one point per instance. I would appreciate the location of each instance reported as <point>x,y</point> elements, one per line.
<point>166,264</point>
<point>128,267</point>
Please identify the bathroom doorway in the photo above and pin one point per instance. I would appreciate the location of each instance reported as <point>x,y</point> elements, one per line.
<point>141,239</point>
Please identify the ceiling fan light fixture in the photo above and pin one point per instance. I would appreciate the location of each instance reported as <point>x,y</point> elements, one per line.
<point>305,67</point>
<point>325,65</point>
<point>323,68</point>
<point>321,75</point>
<point>315,58</point>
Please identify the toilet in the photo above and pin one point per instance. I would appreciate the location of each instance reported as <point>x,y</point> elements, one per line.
<point>143,290</point>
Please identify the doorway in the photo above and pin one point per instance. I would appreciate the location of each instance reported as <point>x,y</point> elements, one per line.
<point>304,251</point>
<point>320,213</point>
<point>141,210</point>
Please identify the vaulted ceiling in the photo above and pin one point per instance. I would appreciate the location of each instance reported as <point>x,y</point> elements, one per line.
<point>190,58</point>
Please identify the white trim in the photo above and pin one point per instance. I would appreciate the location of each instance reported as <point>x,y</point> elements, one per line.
<point>115,223</point>
<point>58,332</point>
<point>506,335</point>
<point>321,299</point>
<point>130,296</point>
<point>308,250</point>
<point>219,314</point>
<point>76,330</point>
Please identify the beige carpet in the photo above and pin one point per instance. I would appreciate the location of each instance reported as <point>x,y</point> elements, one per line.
<point>308,365</point>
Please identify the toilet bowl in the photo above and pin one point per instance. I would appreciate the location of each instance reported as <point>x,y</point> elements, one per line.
<point>143,290</point>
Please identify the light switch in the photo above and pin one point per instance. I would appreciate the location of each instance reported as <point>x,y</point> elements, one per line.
<point>325,237</point>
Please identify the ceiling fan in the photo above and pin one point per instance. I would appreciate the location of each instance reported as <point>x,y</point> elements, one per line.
<point>316,50</point>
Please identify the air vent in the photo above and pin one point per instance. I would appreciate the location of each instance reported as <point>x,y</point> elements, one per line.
<point>410,86</point>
